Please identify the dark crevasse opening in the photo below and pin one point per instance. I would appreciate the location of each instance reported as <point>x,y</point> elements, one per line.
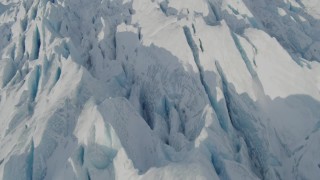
<point>29,161</point>
<point>36,44</point>
<point>34,82</point>
<point>146,108</point>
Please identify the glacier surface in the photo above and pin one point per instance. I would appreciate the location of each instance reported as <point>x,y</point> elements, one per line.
<point>159,89</point>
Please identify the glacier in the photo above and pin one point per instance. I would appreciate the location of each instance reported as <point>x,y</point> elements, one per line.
<point>159,89</point>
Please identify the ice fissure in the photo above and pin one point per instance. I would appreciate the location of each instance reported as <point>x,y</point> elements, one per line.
<point>241,122</point>
<point>195,52</point>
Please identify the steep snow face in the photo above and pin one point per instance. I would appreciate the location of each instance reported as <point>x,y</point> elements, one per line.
<point>159,89</point>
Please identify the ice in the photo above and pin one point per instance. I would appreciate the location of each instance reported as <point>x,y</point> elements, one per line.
<point>162,89</point>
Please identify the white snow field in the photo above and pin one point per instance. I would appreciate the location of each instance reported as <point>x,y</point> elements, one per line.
<point>159,89</point>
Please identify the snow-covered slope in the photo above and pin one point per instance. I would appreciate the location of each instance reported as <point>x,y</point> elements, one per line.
<point>159,89</point>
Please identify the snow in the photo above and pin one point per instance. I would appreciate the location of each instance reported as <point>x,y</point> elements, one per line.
<point>161,89</point>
